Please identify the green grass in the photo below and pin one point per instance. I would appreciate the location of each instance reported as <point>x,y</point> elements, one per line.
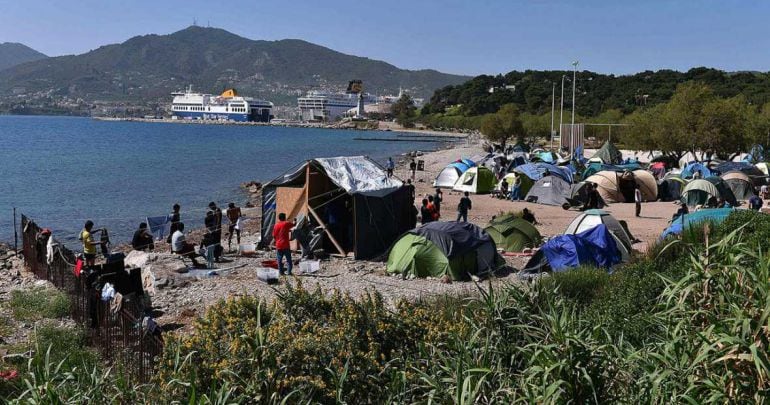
<point>38,303</point>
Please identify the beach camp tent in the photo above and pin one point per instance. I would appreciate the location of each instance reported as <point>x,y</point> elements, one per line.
<point>467,162</point>
<point>608,154</point>
<point>513,234</point>
<point>516,161</point>
<point>744,167</point>
<point>712,215</point>
<point>477,180</point>
<point>689,170</point>
<point>450,174</point>
<point>670,188</point>
<point>597,167</point>
<point>764,168</point>
<point>658,169</point>
<point>740,184</point>
<point>595,247</point>
<point>362,210</point>
<point>551,190</point>
<point>698,192</point>
<point>579,192</point>
<point>724,190</point>
<point>436,249</point>
<point>615,187</point>
<point>592,218</point>
<point>536,170</point>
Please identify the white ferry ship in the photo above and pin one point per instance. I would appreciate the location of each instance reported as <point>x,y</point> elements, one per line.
<point>228,106</point>
<point>325,106</point>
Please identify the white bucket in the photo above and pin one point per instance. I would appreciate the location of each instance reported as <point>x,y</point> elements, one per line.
<point>309,266</point>
<point>267,275</point>
<point>247,249</point>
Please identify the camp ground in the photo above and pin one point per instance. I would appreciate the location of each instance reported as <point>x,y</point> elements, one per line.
<point>512,234</point>
<point>476,180</point>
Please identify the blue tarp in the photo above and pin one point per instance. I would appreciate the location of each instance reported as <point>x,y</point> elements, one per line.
<point>595,246</point>
<point>159,226</point>
<point>596,167</point>
<point>715,215</point>
<point>535,171</point>
<point>462,167</point>
<point>745,167</point>
<point>516,162</point>
<point>692,167</point>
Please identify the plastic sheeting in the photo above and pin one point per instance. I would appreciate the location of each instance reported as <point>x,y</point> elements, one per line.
<point>458,238</point>
<point>715,215</point>
<point>359,175</point>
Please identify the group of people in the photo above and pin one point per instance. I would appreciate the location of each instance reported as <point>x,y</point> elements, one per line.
<point>143,239</point>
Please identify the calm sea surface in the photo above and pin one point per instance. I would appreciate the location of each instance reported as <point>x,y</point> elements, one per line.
<point>61,171</point>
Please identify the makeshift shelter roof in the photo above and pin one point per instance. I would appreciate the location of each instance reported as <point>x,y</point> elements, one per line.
<point>478,180</point>
<point>457,249</point>
<point>535,171</point>
<point>698,192</point>
<point>359,175</point>
<point>714,215</point>
<point>513,234</point>
<point>595,246</point>
<point>549,190</point>
<point>608,154</point>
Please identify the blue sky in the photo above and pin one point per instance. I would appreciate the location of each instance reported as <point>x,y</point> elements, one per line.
<point>467,37</point>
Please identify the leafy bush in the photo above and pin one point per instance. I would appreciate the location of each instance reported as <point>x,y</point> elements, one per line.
<point>38,303</point>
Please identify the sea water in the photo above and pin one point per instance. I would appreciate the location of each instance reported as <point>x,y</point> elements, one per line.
<point>62,171</point>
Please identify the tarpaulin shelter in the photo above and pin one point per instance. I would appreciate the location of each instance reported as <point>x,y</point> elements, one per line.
<point>436,249</point>
<point>670,188</point>
<point>544,156</point>
<point>536,170</point>
<point>513,234</point>
<point>608,154</point>
<point>698,192</point>
<point>618,187</point>
<point>594,247</point>
<point>724,190</point>
<point>549,190</point>
<point>691,168</point>
<point>361,209</point>
<point>596,167</point>
<point>740,184</point>
<point>477,180</point>
<point>712,215</point>
<point>515,162</point>
<point>592,218</point>
<point>449,175</point>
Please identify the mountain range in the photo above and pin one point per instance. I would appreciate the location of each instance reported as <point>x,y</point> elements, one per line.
<point>149,67</point>
<point>12,54</point>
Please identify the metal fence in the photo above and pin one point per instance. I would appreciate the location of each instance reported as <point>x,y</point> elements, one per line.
<point>119,334</point>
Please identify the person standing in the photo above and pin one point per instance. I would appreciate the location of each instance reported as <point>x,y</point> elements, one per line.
<point>216,225</point>
<point>463,207</point>
<point>638,200</point>
<point>438,198</point>
<point>281,237</point>
<point>516,190</point>
<point>234,215</point>
<point>425,214</point>
<point>412,192</point>
<point>432,209</point>
<point>504,188</point>
<point>89,246</point>
<point>413,168</point>
<point>390,166</point>
<point>175,219</point>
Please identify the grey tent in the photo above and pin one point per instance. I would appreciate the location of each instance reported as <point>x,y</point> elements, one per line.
<point>609,154</point>
<point>740,184</point>
<point>361,209</point>
<point>550,190</point>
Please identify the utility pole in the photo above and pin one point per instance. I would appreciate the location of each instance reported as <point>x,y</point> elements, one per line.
<point>572,127</point>
<point>553,110</point>
<point>561,111</point>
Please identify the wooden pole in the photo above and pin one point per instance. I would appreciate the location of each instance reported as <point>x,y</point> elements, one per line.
<point>15,234</point>
<point>328,232</point>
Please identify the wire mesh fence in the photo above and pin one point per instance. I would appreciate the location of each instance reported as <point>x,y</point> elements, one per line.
<point>122,333</point>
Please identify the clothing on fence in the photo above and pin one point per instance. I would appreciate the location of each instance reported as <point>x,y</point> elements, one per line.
<point>159,226</point>
<point>49,253</point>
<point>108,292</point>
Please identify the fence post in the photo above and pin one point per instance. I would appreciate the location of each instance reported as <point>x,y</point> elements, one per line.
<point>15,234</point>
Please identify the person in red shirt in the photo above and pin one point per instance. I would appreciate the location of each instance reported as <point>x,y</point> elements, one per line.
<point>281,237</point>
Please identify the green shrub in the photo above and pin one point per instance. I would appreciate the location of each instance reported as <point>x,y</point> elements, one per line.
<point>580,285</point>
<point>38,303</point>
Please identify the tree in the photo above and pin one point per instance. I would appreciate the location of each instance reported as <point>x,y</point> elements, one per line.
<point>503,125</point>
<point>405,111</point>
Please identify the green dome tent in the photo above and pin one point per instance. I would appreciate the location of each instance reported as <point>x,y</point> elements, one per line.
<point>513,234</point>
<point>457,249</point>
<point>608,154</point>
<point>477,180</point>
<point>698,192</point>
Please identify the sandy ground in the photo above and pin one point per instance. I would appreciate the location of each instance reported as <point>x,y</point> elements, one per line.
<point>181,298</point>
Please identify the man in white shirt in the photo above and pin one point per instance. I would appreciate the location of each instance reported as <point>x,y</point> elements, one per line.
<point>180,246</point>
<point>638,200</point>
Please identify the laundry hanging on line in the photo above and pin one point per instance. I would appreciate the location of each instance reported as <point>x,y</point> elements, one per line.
<point>160,226</point>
